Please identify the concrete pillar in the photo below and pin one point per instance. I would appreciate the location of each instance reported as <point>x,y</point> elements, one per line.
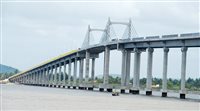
<point>87,65</point>
<point>149,71</point>
<point>55,76</point>
<point>75,74</point>
<point>183,72</point>
<point>23,80</point>
<point>59,75</point>
<point>64,75</point>
<point>69,74</point>
<point>29,78</point>
<point>47,76</point>
<point>106,65</point>
<point>33,78</point>
<point>123,68</point>
<point>43,77</point>
<point>164,80</point>
<point>38,77</point>
<point>81,63</point>
<point>125,71</point>
<point>128,66</point>
<point>136,75</point>
<point>93,70</point>
<point>51,77</point>
<point>33,74</point>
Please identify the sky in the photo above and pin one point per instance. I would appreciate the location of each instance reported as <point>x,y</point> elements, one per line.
<point>33,32</point>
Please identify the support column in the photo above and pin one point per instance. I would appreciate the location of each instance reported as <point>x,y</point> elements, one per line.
<point>51,77</point>
<point>183,72</point>
<point>125,71</point>
<point>87,66</point>
<point>92,74</point>
<point>34,78</point>
<point>149,71</point>
<point>43,77</point>
<point>106,65</point>
<point>29,78</point>
<point>40,77</point>
<point>81,63</point>
<point>75,74</point>
<point>47,76</point>
<point>55,76</point>
<point>164,80</point>
<point>69,74</point>
<point>37,78</point>
<point>106,69</point>
<point>93,70</point>
<point>64,75</point>
<point>59,75</point>
<point>128,62</point>
<point>136,76</point>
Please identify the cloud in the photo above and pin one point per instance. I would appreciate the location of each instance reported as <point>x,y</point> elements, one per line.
<point>35,32</point>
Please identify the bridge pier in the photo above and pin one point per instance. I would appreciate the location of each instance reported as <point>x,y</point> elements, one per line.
<point>149,71</point>
<point>59,75</point>
<point>55,76</point>
<point>69,74</point>
<point>164,81</point>
<point>64,75</point>
<point>51,76</point>
<point>81,64</point>
<point>37,78</point>
<point>47,76</point>
<point>183,72</point>
<point>87,67</point>
<point>125,71</point>
<point>75,74</point>
<point>136,75</point>
<point>43,77</point>
<point>105,84</point>
<point>92,74</point>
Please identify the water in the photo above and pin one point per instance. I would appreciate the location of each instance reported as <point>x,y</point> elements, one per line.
<point>21,97</point>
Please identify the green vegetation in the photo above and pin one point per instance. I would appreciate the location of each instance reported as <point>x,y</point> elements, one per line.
<point>172,84</point>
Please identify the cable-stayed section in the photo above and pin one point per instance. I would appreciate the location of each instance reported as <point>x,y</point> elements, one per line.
<point>86,41</point>
<point>134,33</point>
<point>109,33</point>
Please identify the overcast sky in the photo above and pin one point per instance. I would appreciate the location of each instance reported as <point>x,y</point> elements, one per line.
<point>37,31</point>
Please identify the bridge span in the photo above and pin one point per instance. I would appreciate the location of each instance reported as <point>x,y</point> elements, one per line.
<point>54,73</point>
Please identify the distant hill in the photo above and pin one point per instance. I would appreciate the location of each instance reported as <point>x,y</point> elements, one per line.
<point>7,69</point>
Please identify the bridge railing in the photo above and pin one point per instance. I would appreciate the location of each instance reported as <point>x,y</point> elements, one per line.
<point>190,34</point>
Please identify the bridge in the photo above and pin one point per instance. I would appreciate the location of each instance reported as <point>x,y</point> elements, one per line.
<point>57,72</point>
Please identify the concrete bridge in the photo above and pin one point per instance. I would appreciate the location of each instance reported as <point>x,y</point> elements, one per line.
<point>57,71</point>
